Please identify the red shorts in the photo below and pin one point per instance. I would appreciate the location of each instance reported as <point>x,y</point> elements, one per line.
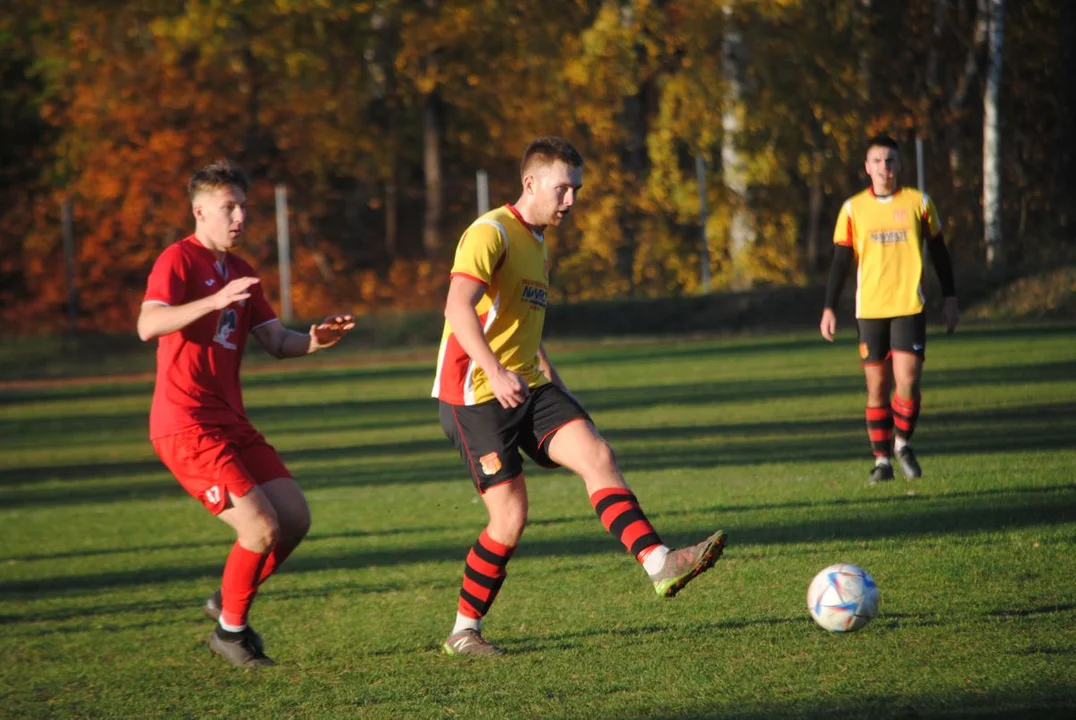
<point>211,462</point>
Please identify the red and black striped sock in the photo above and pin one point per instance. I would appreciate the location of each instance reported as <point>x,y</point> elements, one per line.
<point>880,430</point>
<point>483,576</point>
<point>905,416</point>
<point>619,511</point>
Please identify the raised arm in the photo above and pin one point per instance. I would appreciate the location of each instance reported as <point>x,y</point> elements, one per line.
<point>280,342</point>
<point>156,319</point>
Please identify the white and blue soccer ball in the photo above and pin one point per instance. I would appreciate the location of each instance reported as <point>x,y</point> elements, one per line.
<point>842,598</point>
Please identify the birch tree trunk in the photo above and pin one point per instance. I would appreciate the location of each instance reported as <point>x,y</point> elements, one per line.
<point>434,181</point>
<point>733,160</point>
<point>992,140</point>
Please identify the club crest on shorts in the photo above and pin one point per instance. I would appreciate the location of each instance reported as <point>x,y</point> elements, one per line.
<point>490,462</point>
<point>864,351</point>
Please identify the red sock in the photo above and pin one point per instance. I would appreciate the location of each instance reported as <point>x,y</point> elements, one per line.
<point>880,430</point>
<point>905,416</point>
<point>239,584</point>
<point>483,575</point>
<point>619,511</point>
<point>276,558</point>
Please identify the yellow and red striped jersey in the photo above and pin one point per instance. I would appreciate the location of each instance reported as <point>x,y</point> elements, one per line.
<point>501,251</point>
<point>888,236</point>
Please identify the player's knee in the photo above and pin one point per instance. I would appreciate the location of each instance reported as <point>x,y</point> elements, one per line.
<point>300,524</point>
<point>603,457</point>
<point>507,526</point>
<point>260,535</point>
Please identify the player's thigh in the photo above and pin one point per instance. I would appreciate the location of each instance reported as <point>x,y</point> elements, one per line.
<point>908,335</point>
<point>207,465</point>
<point>563,434</point>
<point>288,500</point>
<point>270,473</point>
<point>875,343</point>
<point>487,439</point>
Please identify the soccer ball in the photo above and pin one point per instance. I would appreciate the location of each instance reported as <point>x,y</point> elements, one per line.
<point>842,598</point>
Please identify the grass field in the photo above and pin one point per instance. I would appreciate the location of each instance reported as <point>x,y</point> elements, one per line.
<point>104,561</point>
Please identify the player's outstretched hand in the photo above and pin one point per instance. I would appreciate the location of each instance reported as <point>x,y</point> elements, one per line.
<point>828,326</point>
<point>509,388</point>
<point>950,314</point>
<point>329,331</point>
<point>236,290</point>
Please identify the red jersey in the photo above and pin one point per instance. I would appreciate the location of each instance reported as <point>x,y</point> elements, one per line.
<point>198,366</point>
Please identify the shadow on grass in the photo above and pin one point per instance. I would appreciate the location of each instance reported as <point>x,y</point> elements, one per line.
<point>583,517</point>
<point>938,516</point>
<point>1029,428</point>
<point>83,618</point>
<point>1055,701</point>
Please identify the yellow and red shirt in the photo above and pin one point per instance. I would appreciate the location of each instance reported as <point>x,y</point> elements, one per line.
<point>501,251</point>
<point>888,236</point>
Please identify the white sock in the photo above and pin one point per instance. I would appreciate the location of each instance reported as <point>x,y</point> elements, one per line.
<point>466,623</point>
<point>231,628</point>
<point>899,444</point>
<point>881,460</point>
<point>656,559</point>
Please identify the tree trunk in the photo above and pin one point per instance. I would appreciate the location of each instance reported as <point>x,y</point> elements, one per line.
<point>1066,184</point>
<point>733,160</point>
<point>992,140</point>
<point>431,165</point>
<point>866,24</point>
<point>968,76</point>
<point>383,22</point>
<point>635,163</point>
<point>816,195</point>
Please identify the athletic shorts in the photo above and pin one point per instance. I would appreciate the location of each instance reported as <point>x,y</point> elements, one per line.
<point>489,437</point>
<point>211,462</point>
<point>879,337</point>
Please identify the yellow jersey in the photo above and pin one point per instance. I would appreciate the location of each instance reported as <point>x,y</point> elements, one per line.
<point>501,251</point>
<point>888,235</point>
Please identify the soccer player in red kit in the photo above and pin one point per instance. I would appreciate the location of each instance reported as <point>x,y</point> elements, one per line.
<point>201,303</point>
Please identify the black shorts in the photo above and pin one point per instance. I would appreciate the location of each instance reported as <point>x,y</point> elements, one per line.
<point>489,437</point>
<point>879,337</point>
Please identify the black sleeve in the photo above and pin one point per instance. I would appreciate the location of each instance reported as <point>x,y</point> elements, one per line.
<point>943,264</point>
<point>838,273</point>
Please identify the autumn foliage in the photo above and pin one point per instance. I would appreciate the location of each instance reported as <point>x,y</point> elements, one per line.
<point>376,115</point>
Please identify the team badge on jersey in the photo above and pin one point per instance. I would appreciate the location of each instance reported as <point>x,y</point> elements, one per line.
<point>490,462</point>
<point>226,325</point>
<point>900,215</point>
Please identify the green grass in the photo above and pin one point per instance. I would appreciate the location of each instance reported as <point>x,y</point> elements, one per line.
<point>104,561</point>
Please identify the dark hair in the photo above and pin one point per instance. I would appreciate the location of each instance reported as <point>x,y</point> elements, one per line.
<point>222,173</point>
<point>882,141</point>
<point>547,150</point>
